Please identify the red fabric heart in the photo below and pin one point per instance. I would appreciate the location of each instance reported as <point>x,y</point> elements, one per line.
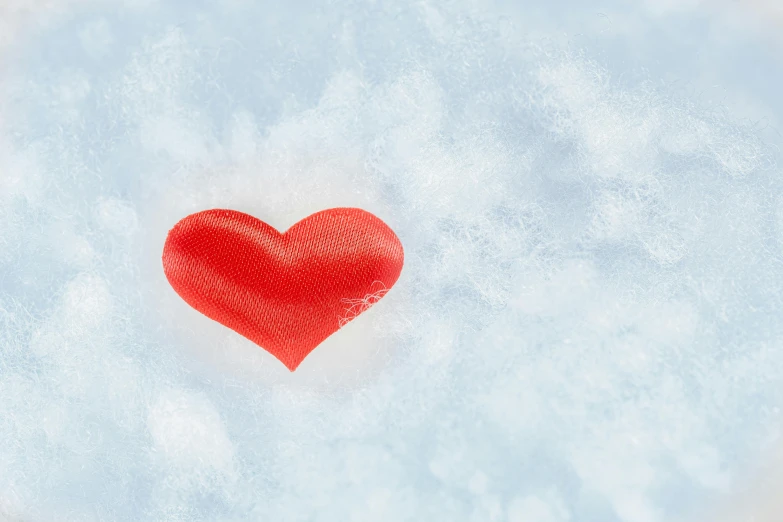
<point>285,292</point>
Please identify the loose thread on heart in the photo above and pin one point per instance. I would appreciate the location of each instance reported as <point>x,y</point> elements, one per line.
<point>358,306</point>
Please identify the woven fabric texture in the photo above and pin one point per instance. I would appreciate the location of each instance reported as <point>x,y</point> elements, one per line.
<point>285,292</point>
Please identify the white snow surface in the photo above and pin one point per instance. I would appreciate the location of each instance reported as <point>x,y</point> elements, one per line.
<point>588,324</point>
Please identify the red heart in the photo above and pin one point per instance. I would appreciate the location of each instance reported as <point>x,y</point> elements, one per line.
<point>285,292</point>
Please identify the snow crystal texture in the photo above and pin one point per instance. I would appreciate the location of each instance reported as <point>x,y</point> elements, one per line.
<point>587,327</point>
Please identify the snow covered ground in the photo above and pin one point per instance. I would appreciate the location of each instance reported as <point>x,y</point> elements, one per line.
<point>587,327</point>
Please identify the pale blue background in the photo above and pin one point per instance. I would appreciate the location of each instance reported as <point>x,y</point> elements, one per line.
<point>589,200</point>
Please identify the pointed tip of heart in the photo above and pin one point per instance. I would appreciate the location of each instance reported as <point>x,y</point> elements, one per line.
<point>290,359</point>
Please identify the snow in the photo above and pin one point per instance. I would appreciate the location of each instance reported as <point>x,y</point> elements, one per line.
<point>587,324</point>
